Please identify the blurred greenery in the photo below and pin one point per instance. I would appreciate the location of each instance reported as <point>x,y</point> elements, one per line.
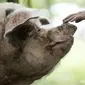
<point>47,3</point>
<point>2,1</point>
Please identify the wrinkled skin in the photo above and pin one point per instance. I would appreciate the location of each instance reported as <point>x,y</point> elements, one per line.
<point>27,51</point>
<point>77,17</point>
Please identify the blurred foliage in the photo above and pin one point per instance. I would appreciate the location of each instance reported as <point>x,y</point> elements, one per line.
<point>47,3</point>
<point>81,3</point>
<point>2,1</point>
<point>26,3</point>
<point>15,1</point>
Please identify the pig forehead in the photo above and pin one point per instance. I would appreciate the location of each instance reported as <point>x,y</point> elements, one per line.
<point>19,17</point>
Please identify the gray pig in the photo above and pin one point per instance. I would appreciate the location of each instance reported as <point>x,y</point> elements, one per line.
<point>27,51</point>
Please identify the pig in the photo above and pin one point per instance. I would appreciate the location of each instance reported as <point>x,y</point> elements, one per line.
<point>29,51</point>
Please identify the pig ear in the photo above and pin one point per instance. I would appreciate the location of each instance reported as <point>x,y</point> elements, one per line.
<point>22,31</point>
<point>18,19</point>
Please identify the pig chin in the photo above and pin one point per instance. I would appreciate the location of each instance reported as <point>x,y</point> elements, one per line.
<point>60,49</point>
<point>63,48</point>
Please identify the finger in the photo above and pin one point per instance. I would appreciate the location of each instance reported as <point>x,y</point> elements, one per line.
<point>73,19</point>
<point>68,19</point>
<point>69,16</point>
<point>76,19</point>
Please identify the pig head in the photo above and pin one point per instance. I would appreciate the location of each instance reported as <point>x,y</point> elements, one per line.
<point>28,51</point>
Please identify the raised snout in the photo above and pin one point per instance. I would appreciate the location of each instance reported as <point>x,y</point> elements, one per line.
<point>62,33</point>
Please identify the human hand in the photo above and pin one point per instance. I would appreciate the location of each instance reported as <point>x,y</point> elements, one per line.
<point>77,17</point>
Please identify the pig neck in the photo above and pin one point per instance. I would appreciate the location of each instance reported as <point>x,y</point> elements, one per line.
<point>7,50</point>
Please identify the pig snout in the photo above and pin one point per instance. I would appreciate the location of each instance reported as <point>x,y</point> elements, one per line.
<point>61,33</point>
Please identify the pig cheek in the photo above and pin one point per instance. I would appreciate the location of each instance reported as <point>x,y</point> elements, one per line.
<point>57,51</point>
<point>61,49</point>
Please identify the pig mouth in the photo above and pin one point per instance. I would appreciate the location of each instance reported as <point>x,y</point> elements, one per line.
<point>56,43</point>
<point>60,48</point>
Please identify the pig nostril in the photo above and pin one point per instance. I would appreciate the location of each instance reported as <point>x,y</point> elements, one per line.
<point>39,30</point>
